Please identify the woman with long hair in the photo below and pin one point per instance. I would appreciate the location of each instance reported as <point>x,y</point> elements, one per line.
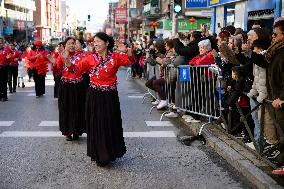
<point>105,140</point>
<point>72,93</point>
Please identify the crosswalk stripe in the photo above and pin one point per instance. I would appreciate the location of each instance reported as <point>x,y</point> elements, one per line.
<point>135,97</point>
<point>31,94</point>
<point>159,124</point>
<point>150,134</point>
<point>6,123</point>
<point>49,124</point>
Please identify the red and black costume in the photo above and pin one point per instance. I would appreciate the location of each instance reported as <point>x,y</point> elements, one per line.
<point>71,98</point>
<point>39,65</point>
<point>14,57</point>
<point>3,74</point>
<point>105,140</point>
<point>27,66</point>
<point>56,75</point>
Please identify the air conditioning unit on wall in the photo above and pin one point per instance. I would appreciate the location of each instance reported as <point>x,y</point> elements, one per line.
<point>155,10</point>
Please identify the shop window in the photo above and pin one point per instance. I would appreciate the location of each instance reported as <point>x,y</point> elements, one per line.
<point>229,15</point>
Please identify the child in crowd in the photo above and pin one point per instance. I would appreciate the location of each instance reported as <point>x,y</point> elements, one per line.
<point>21,73</point>
<point>237,96</point>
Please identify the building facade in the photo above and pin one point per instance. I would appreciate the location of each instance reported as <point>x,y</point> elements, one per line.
<point>16,21</point>
<point>47,18</point>
<point>242,14</point>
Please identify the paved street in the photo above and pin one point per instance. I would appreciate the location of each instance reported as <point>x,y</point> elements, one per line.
<point>33,154</point>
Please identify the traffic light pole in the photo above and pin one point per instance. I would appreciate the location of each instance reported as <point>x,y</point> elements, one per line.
<point>174,20</point>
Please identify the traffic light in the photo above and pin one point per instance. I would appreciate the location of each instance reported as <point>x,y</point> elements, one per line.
<point>89,17</point>
<point>178,6</point>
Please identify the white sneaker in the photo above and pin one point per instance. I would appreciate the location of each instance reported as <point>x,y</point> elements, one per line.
<point>162,104</point>
<point>171,114</point>
<point>155,102</point>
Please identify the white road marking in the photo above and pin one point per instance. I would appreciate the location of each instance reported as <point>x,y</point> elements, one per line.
<point>139,97</point>
<point>49,124</point>
<point>6,123</point>
<point>150,134</point>
<point>26,91</point>
<point>31,94</point>
<point>159,123</point>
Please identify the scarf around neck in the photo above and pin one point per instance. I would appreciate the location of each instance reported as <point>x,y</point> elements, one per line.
<point>272,50</point>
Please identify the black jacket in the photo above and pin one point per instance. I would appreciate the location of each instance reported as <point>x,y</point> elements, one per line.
<point>189,52</point>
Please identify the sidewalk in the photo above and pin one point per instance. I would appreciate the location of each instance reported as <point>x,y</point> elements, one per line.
<point>237,154</point>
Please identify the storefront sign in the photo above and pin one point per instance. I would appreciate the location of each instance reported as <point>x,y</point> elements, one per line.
<point>121,15</point>
<point>255,5</point>
<point>195,4</point>
<point>220,2</point>
<point>185,25</point>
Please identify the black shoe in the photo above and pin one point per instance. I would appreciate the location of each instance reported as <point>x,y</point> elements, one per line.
<point>18,84</point>
<point>23,85</point>
<point>102,164</point>
<point>273,154</point>
<point>69,138</point>
<point>75,137</point>
<point>14,90</point>
<point>11,91</point>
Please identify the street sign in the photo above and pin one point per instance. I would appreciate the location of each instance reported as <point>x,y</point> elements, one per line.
<point>220,2</point>
<point>184,74</point>
<point>195,4</point>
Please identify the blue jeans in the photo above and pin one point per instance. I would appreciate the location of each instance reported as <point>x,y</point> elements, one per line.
<point>256,121</point>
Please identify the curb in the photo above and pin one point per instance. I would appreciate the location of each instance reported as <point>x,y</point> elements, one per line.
<point>238,156</point>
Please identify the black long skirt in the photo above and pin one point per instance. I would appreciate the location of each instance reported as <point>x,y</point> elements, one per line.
<point>39,83</point>
<point>105,140</point>
<point>71,104</point>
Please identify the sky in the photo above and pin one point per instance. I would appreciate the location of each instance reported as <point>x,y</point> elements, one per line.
<point>98,10</point>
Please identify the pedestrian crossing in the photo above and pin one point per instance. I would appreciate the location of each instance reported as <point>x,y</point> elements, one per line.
<point>148,134</point>
<point>6,123</point>
<point>145,134</point>
<point>56,123</point>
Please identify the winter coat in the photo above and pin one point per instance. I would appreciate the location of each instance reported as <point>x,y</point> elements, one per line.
<point>275,71</point>
<point>207,59</point>
<point>259,88</point>
<point>189,52</point>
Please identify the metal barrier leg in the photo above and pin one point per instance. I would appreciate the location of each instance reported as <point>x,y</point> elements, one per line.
<point>128,73</point>
<point>244,120</point>
<point>145,96</point>
<point>163,114</point>
<point>152,109</point>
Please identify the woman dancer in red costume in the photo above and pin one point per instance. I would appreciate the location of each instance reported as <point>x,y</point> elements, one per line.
<point>105,140</point>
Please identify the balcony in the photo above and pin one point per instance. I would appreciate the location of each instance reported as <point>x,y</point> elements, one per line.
<point>27,4</point>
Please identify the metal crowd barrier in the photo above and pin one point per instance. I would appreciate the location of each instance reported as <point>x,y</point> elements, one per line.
<point>199,90</point>
<point>266,105</point>
<point>170,75</point>
<point>152,71</point>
